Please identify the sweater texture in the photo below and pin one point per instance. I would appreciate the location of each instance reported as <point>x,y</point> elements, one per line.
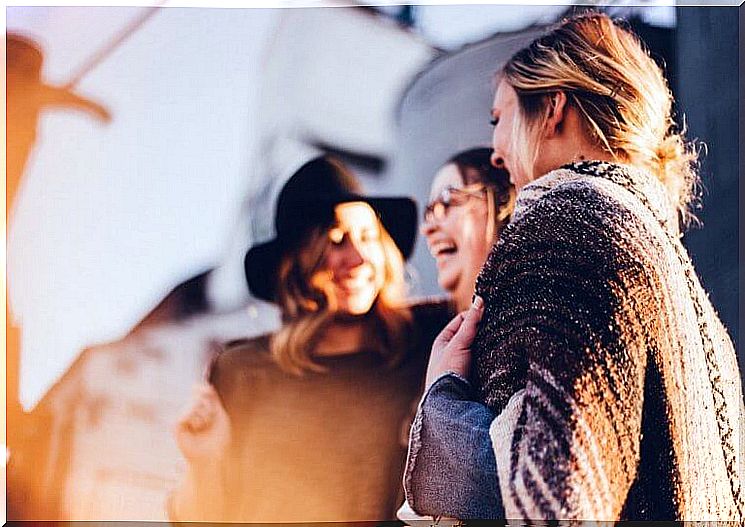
<point>616,386</point>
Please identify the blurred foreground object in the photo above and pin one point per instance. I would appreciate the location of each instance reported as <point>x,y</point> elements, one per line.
<point>27,96</point>
<point>27,433</point>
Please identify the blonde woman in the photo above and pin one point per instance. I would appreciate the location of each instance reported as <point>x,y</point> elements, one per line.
<point>307,424</point>
<point>614,384</point>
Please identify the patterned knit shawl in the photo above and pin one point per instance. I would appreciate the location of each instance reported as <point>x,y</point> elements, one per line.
<point>616,385</point>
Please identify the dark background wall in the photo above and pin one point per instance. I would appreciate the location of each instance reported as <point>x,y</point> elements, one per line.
<point>708,93</point>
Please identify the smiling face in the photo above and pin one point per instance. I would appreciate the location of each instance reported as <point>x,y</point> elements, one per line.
<point>352,272</point>
<point>505,111</point>
<point>458,240</point>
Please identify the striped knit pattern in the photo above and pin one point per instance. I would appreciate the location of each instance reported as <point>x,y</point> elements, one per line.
<point>624,393</point>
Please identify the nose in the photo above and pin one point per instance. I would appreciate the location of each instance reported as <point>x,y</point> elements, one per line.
<point>496,160</point>
<point>353,257</point>
<point>428,227</point>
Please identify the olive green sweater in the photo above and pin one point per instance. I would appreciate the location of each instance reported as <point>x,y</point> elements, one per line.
<point>323,446</point>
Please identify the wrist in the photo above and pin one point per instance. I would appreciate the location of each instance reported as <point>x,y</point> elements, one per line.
<point>447,370</point>
<point>204,470</point>
<point>453,382</point>
<point>198,496</point>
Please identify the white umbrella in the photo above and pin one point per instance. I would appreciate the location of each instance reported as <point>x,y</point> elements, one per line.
<point>112,218</point>
<point>109,218</point>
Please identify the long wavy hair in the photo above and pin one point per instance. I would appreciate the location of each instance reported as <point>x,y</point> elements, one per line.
<point>307,309</point>
<point>620,93</point>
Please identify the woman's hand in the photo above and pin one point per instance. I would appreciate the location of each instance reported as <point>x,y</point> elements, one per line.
<point>451,350</point>
<point>203,432</point>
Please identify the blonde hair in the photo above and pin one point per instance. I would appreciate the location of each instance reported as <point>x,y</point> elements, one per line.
<point>620,93</point>
<point>307,309</point>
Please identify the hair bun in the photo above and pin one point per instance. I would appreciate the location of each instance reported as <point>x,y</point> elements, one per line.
<point>676,161</point>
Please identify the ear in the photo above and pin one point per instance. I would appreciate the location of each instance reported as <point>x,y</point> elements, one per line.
<point>557,106</point>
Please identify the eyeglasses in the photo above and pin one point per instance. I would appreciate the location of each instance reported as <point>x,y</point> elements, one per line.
<point>437,209</point>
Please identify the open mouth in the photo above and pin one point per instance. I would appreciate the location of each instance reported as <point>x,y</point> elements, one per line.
<point>443,248</point>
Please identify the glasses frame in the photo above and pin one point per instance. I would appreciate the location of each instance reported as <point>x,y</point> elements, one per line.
<point>437,209</point>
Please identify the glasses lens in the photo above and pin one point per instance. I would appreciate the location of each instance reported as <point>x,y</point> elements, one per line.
<point>437,209</point>
<point>440,210</point>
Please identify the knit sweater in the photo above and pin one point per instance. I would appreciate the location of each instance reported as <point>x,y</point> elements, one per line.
<point>615,384</point>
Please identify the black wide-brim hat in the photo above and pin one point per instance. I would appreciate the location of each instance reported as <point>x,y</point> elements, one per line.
<point>308,200</point>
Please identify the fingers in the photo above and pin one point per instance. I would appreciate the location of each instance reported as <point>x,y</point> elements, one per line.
<point>466,332</point>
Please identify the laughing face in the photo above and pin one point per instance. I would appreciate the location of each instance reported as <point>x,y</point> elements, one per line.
<point>455,229</point>
<point>353,269</point>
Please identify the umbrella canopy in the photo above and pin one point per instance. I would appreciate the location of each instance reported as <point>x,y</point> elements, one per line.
<point>204,103</point>
<point>108,218</point>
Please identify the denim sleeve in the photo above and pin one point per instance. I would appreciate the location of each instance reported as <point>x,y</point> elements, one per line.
<point>451,470</point>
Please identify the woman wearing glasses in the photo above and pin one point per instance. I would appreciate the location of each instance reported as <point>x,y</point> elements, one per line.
<point>471,202</point>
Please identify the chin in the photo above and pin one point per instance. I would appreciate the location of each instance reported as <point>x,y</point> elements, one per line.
<point>358,306</point>
<point>448,284</point>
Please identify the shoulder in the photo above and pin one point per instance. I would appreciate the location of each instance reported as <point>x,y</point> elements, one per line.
<point>566,189</point>
<point>238,357</point>
<point>575,235</point>
<point>567,216</point>
<point>246,350</point>
<point>429,316</point>
<point>431,311</point>
<point>597,192</point>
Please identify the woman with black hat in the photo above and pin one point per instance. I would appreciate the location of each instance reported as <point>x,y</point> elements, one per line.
<point>309,423</point>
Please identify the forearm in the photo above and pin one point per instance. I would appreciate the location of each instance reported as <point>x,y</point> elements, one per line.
<point>451,469</point>
<point>200,495</point>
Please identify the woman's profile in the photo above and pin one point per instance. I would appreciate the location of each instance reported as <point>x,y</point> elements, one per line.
<point>614,385</point>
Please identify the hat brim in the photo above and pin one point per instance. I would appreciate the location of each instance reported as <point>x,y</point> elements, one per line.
<point>260,266</point>
<point>398,216</point>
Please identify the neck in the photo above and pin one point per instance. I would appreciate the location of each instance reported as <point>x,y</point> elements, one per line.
<point>570,143</point>
<point>343,336</point>
<point>462,297</point>
<point>589,154</point>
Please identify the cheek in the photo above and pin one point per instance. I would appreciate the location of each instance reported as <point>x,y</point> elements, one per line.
<point>452,225</point>
<point>329,262</point>
<point>500,141</point>
<point>465,228</point>
<point>378,262</point>
<point>475,245</point>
